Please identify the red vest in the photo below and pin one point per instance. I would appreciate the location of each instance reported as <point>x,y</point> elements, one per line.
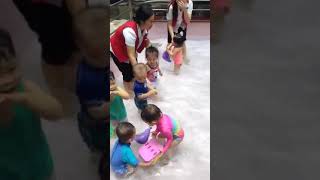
<point>118,43</point>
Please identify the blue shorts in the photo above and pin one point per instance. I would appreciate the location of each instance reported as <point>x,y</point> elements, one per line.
<point>93,132</point>
<point>141,104</point>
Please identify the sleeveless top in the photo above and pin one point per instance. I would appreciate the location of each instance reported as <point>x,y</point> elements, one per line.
<point>117,109</point>
<point>24,151</point>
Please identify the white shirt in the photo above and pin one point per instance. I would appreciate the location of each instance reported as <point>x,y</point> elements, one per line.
<point>179,18</point>
<point>130,37</point>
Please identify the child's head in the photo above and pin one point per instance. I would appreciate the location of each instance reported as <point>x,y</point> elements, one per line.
<point>178,40</point>
<point>9,77</point>
<point>152,55</point>
<point>112,79</point>
<point>151,114</point>
<point>125,132</point>
<point>140,71</point>
<point>91,32</point>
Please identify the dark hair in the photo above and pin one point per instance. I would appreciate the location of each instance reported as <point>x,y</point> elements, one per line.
<point>125,131</point>
<point>179,40</point>
<point>151,113</point>
<point>143,13</point>
<point>111,76</point>
<point>174,10</point>
<point>152,49</point>
<point>7,51</point>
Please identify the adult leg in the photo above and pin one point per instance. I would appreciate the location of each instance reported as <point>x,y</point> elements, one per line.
<point>127,73</point>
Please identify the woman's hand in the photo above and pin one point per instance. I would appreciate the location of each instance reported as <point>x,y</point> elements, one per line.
<point>182,5</point>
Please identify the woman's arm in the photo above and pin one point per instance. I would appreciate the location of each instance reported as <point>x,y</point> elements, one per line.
<point>132,55</point>
<point>187,13</point>
<point>40,102</point>
<point>170,28</point>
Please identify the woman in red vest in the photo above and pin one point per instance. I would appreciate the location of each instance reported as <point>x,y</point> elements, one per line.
<point>130,39</point>
<point>179,16</point>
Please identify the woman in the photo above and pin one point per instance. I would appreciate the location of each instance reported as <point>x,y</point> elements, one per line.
<point>179,16</point>
<point>130,39</point>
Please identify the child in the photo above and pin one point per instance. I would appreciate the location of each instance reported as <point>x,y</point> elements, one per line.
<point>179,17</point>
<point>123,161</point>
<point>142,89</point>
<point>175,50</point>
<point>153,68</point>
<point>117,109</point>
<point>90,27</point>
<point>166,127</point>
<point>24,150</point>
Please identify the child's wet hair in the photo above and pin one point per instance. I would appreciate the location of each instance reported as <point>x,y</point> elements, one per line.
<point>178,40</point>
<point>125,131</point>
<point>150,50</point>
<point>139,66</point>
<point>151,113</point>
<point>7,51</point>
<point>111,76</point>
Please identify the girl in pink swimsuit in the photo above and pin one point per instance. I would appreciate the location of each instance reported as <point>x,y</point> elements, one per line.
<point>167,127</point>
<point>175,50</point>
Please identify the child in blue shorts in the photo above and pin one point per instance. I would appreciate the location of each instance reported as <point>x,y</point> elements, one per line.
<point>142,89</point>
<point>90,27</point>
<point>123,161</point>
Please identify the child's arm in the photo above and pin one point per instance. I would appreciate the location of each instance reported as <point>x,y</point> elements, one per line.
<point>121,92</point>
<point>37,100</point>
<point>99,112</point>
<point>160,72</point>
<point>168,135</point>
<point>171,50</point>
<point>151,92</point>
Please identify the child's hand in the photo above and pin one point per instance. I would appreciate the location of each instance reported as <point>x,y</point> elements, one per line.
<point>154,92</point>
<point>13,97</point>
<point>114,92</point>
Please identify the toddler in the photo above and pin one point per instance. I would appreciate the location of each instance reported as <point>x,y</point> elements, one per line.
<point>167,127</point>
<point>117,109</point>
<point>24,149</point>
<point>90,27</point>
<point>123,161</point>
<point>153,69</point>
<point>175,50</point>
<point>142,89</point>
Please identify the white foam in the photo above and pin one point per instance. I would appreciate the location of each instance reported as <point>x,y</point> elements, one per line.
<point>185,97</point>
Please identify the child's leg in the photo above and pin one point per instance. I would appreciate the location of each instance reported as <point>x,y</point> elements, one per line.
<point>130,171</point>
<point>177,68</point>
<point>186,60</point>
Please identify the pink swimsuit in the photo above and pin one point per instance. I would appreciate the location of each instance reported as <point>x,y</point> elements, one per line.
<point>170,129</point>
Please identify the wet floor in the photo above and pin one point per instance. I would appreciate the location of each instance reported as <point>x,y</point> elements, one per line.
<point>266,92</point>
